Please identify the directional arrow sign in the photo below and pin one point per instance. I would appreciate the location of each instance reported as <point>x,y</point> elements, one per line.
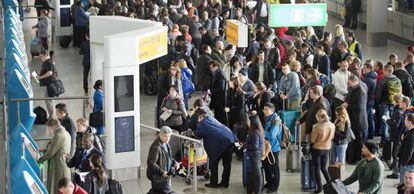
<point>291,15</point>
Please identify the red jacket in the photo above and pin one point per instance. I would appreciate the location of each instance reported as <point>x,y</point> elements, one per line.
<point>380,75</point>
<point>77,190</point>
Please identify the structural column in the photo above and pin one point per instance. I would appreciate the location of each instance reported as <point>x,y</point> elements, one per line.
<point>377,23</point>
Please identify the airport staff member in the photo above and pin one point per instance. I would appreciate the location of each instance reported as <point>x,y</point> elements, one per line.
<point>218,142</point>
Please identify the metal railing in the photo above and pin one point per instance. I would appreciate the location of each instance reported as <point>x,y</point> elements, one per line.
<point>194,188</point>
<point>18,100</point>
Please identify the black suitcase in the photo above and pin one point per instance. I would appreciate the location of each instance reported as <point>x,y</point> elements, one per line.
<point>41,115</point>
<point>307,174</point>
<point>387,151</point>
<point>64,41</point>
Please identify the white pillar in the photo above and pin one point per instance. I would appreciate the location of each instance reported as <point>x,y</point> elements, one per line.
<point>377,23</point>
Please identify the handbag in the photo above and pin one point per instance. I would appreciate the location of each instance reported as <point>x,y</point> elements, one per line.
<point>55,88</point>
<point>267,153</point>
<point>160,184</point>
<point>96,119</point>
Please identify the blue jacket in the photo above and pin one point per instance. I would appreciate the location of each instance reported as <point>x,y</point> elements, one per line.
<point>273,131</point>
<point>98,100</point>
<point>290,86</point>
<point>216,137</point>
<point>188,85</point>
<point>81,19</point>
<point>371,80</point>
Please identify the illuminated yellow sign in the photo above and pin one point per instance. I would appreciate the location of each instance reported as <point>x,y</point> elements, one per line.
<point>152,46</point>
<point>232,33</point>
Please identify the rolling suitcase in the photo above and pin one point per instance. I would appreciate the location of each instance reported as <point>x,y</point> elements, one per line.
<point>307,174</point>
<point>289,118</point>
<point>64,41</point>
<point>387,151</point>
<point>293,155</point>
<point>41,115</point>
<point>246,166</point>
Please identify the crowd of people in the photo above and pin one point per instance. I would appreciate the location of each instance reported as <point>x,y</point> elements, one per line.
<point>344,100</point>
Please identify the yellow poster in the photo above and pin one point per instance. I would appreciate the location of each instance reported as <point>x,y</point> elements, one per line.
<point>152,46</point>
<point>232,33</point>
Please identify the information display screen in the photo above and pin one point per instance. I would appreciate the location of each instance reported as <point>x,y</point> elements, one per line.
<point>124,93</point>
<point>124,134</point>
<point>64,2</point>
<point>65,17</point>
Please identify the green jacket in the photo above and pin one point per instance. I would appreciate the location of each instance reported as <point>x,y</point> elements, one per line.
<point>369,174</point>
<point>55,155</point>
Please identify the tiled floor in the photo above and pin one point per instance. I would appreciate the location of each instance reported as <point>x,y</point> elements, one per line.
<point>68,63</point>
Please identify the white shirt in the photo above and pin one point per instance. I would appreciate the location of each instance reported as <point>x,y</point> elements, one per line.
<point>261,72</point>
<point>263,11</point>
<point>340,82</point>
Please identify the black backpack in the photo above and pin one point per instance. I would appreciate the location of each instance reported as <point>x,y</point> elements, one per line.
<point>41,115</point>
<point>114,187</point>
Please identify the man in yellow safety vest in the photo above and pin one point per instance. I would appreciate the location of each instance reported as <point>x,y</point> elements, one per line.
<point>354,46</point>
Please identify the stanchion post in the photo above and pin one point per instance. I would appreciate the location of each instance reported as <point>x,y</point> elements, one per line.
<point>194,169</point>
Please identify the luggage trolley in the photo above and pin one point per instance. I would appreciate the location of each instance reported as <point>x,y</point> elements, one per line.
<point>189,151</point>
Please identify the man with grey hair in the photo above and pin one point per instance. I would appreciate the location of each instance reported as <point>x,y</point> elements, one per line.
<point>356,104</point>
<point>160,162</point>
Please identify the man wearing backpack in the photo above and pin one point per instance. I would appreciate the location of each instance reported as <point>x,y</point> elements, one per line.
<point>405,78</point>
<point>387,89</point>
<point>273,133</point>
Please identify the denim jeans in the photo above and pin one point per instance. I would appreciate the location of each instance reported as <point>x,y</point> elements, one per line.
<point>255,178</point>
<point>404,169</point>
<point>385,110</point>
<point>371,121</point>
<point>338,153</point>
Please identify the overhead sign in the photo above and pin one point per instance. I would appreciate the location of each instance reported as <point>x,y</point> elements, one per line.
<point>152,46</point>
<point>236,33</point>
<point>291,15</point>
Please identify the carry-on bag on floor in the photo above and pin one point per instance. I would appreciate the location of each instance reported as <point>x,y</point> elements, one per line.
<point>307,174</point>
<point>387,150</point>
<point>64,41</point>
<point>35,46</point>
<point>114,187</point>
<point>293,154</point>
<point>41,115</point>
<point>289,118</point>
<point>335,170</point>
<point>335,187</point>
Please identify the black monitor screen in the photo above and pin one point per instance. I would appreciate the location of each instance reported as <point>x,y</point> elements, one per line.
<point>64,2</point>
<point>64,17</point>
<point>124,93</point>
<point>124,134</point>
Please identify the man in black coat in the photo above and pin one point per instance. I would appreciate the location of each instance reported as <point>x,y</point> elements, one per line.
<point>406,79</point>
<point>80,160</point>
<point>206,38</point>
<point>218,91</point>
<point>356,104</point>
<point>67,122</point>
<point>85,50</point>
<point>261,71</point>
<point>353,7</point>
<point>321,61</point>
<point>406,159</point>
<point>339,54</point>
<point>203,68</point>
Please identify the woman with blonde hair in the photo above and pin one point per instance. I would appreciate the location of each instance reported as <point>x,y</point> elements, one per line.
<point>186,77</point>
<point>311,36</point>
<point>342,135</point>
<point>321,138</point>
<point>339,36</point>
